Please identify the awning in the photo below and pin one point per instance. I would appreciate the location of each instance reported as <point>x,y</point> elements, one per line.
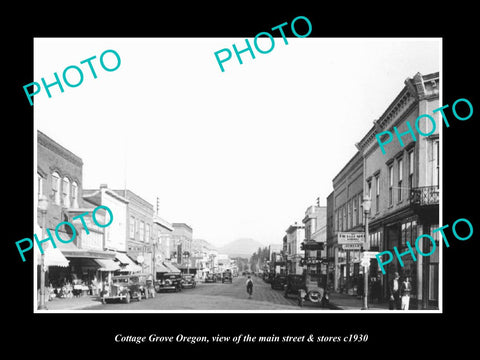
<point>70,250</point>
<point>123,258</point>
<point>53,256</point>
<point>130,265</point>
<point>161,268</point>
<point>107,265</point>
<point>171,267</point>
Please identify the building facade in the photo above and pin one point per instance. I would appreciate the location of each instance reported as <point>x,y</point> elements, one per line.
<point>59,178</point>
<point>314,244</point>
<point>182,236</point>
<point>294,238</point>
<point>403,184</point>
<point>346,243</point>
<point>139,225</point>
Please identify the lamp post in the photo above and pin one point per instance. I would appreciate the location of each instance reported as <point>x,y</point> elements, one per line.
<point>43,207</point>
<point>367,202</point>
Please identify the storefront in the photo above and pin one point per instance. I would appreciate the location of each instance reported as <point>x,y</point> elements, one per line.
<point>348,272</point>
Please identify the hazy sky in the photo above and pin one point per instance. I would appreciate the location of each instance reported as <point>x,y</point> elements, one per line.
<point>240,153</point>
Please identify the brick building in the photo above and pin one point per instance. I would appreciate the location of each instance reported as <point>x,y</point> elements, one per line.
<point>59,178</point>
<point>139,225</point>
<point>404,187</point>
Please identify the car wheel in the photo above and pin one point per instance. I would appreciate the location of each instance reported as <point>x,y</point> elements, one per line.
<point>127,298</point>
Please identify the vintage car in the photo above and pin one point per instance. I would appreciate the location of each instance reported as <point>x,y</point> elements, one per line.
<point>126,287</point>
<point>293,283</point>
<point>312,292</point>
<point>188,281</point>
<point>278,282</point>
<point>210,278</point>
<point>168,282</point>
<point>227,276</point>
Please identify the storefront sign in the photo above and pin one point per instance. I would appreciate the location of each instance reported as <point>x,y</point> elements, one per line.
<point>350,238</point>
<point>352,246</point>
<point>66,223</point>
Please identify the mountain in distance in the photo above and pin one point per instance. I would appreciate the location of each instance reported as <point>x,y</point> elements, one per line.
<point>200,244</point>
<point>243,247</point>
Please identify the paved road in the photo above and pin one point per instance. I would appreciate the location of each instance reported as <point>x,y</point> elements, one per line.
<point>214,296</point>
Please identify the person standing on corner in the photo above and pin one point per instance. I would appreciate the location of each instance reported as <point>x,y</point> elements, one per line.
<point>405,290</point>
<point>394,289</point>
<point>249,284</point>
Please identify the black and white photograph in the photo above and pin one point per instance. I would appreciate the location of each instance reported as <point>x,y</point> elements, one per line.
<point>223,194</point>
<point>241,183</point>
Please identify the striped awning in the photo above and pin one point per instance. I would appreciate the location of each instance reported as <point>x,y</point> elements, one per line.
<point>130,265</point>
<point>107,265</point>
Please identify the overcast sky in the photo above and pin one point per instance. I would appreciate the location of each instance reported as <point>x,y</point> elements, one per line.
<point>240,153</point>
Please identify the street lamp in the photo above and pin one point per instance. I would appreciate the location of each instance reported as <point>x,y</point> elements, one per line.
<point>367,203</point>
<point>43,207</point>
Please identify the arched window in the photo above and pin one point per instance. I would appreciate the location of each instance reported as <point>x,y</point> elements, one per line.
<point>66,192</point>
<point>56,188</point>
<point>40,185</point>
<point>75,194</point>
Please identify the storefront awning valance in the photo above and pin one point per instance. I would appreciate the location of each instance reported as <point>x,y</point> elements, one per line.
<point>161,268</point>
<point>107,265</point>
<point>129,264</point>
<point>171,267</point>
<point>123,258</point>
<point>70,250</point>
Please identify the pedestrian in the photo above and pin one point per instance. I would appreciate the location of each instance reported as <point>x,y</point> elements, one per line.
<point>405,290</point>
<point>249,284</point>
<point>394,289</point>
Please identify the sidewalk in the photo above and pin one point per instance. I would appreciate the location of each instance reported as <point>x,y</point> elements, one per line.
<point>74,303</point>
<point>350,302</point>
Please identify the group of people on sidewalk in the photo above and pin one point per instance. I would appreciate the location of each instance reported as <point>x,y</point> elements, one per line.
<point>399,293</point>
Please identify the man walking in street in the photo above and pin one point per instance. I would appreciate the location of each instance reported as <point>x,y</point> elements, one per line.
<point>394,289</point>
<point>249,284</point>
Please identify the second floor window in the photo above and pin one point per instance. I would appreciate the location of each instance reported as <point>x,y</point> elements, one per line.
<point>377,193</point>
<point>132,227</point>
<point>390,185</point>
<point>66,192</point>
<point>142,230</point>
<point>410,169</point>
<point>400,179</point>
<point>56,188</point>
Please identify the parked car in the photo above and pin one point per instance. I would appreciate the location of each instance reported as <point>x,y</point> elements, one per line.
<point>210,278</point>
<point>227,276</point>
<point>293,283</point>
<point>188,281</point>
<point>278,282</point>
<point>168,282</point>
<point>312,292</point>
<point>126,287</point>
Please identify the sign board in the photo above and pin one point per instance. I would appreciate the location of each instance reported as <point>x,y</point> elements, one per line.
<point>352,246</point>
<point>369,254</point>
<point>350,238</point>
